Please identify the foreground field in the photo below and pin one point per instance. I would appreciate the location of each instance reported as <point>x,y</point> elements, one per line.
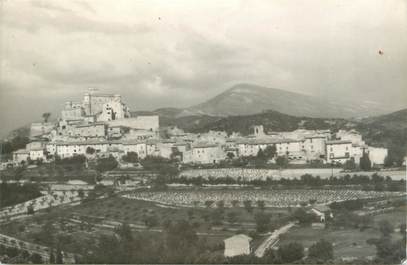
<point>272,198</point>
<point>214,215</point>
<point>83,224</point>
<point>349,243</point>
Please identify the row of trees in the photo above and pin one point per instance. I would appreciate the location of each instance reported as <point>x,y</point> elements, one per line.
<point>374,182</point>
<point>179,243</point>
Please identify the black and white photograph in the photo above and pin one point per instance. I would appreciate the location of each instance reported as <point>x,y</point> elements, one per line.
<point>203,131</point>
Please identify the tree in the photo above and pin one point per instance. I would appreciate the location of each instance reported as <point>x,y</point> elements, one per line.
<point>302,216</point>
<point>271,256</point>
<point>46,116</point>
<point>235,203</point>
<point>131,157</point>
<point>217,217</point>
<point>165,167</point>
<point>176,154</point>
<point>350,164</point>
<point>261,204</point>
<point>230,155</point>
<point>18,142</point>
<point>36,258</point>
<point>220,204</point>
<point>270,151</point>
<point>180,239</point>
<point>262,222</point>
<point>403,229</point>
<point>59,259</point>
<point>106,164</point>
<point>208,203</point>
<point>124,231</point>
<point>81,193</point>
<point>388,161</point>
<point>388,251</point>
<point>291,252</point>
<point>232,217</point>
<point>248,205</point>
<point>365,221</point>
<point>190,214</point>
<point>51,256</point>
<point>321,250</point>
<point>260,154</point>
<point>90,150</point>
<point>386,228</point>
<point>151,221</point>
<point>281,161</point>
<point>364,162</point>
<point>30,209</point>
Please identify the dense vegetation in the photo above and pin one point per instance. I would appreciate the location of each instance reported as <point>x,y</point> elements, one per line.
<point>178,244</point>
<point>271,121</point>
<point>106,164</point>
<point>9,146</point>
<point>18,256</point>
<point>393,138</point>
<point>14,193</point>
<point>389,250</point>
<point>374,182</point>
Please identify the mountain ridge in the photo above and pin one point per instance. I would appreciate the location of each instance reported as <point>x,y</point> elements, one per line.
<point>247,99</point>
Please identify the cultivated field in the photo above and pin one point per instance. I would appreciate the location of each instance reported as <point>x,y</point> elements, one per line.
<point>272,198</point>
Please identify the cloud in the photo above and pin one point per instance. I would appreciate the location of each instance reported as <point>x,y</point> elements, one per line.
<point>179,53</point>
<point>65,20</point>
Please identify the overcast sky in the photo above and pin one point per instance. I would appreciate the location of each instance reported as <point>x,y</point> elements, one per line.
<point>179,53</point>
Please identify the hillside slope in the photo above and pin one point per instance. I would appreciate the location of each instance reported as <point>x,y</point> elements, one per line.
<point>247,99</point>
<point>394,120</point>
<point>271,121</point>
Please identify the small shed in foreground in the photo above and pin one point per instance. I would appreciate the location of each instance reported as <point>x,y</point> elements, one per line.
<point>237,245</point>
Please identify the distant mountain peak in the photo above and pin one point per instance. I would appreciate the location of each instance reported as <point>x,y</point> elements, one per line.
<point>246,99</point>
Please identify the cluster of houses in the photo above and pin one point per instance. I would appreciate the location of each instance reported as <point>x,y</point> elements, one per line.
<point>102,125</point>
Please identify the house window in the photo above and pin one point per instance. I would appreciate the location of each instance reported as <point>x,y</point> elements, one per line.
<point>331,155</point>
<point>347,154</point>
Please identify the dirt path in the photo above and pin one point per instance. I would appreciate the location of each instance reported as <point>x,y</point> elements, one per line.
<point>272,239</point>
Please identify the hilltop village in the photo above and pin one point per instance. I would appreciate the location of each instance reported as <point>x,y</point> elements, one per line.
<point>101,125</point>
